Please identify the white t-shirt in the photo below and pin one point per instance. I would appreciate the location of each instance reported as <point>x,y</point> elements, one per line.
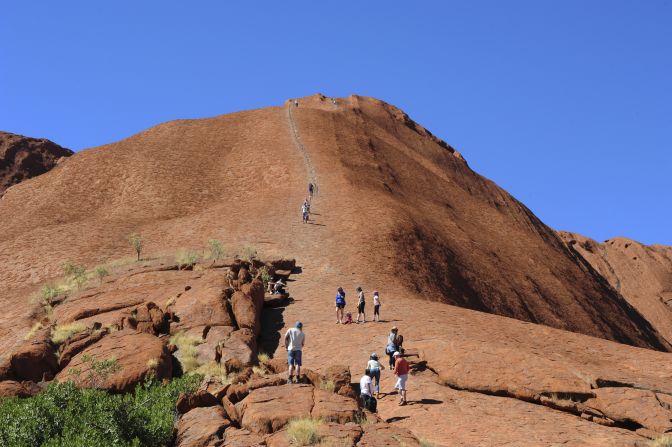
<point>366,385</point>
<point>296,339</point>
<point>373,364</point>
<point>376,300</point>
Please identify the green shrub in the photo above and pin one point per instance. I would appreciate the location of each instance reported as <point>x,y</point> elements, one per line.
<point>65,415</point>
<point>136,242</point>
<point>265,276</point>
<point>216,249</point>
<point>49,292</point>
<point>102,272</point>
<point>76,273</point>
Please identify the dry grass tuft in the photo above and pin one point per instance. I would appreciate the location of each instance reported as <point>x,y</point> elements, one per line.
<point>64,331</point>
<point>186,350</point>
<point>663,441</point>
<point>31,333</point>
<point>327,385</point>
<point>304,431</point>
<point>216,371</point>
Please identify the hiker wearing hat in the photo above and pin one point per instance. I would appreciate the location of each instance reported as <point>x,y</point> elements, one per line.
<point>374,367</point>
<point>401,369</point>
<point>294,341</point>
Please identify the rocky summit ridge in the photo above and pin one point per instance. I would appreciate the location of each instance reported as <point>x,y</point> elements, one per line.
<point>517,334</point>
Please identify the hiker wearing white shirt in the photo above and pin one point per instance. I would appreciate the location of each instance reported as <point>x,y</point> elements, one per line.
<point>294,342</point>
<point>366,392</point>
<point>376,306</point>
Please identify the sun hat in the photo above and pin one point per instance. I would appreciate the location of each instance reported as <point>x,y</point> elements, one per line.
<point>394,328</point>
<point>374,356</point>
<point>396,354</point>
<point>299,324</point>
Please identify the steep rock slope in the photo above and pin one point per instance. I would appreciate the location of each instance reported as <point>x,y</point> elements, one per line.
<point>397,207</point>
<point>641,273</point>
<point>22,158</point>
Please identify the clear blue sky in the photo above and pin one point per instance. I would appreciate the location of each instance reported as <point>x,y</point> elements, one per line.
<point>567,105</point>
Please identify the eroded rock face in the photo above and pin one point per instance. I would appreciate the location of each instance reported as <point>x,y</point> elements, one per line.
<point>386,435</point>
<point>268,409</point>
<point>34,359</point>
<point>11,388</point>
<point>137,354</point>
<point>22,158</point>
<point>202,427</point>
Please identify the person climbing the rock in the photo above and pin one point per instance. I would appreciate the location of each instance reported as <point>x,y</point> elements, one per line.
<point>376,306</point>
<point>279,287</point>
<point>391,346</point>
<point>361,303</point>
<point>296,103</point>
<point>401,369</point>
<point>366,392</point>
<point>375,367</point>
<point>310,190</point>
<point>294,341</point>
<point>304,212</point>
<point>340,305</point>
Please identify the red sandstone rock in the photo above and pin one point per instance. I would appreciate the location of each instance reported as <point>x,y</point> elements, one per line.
<point>137,354</point>
<point>11,388</point>
<point>34,358</point>
<point>202,427</point>
<point>376,435</point>
<point>22,158</point>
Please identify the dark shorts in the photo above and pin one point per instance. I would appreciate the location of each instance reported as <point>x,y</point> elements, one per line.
<point>360,308</point>
<point>376,309</point>
<point>294,358</point>
<point>340,306</point>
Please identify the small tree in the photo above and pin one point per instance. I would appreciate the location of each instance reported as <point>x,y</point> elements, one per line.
<point>102,272</point>
<point>216,249</point>
<point>75,272</point>
<point>136,242</point>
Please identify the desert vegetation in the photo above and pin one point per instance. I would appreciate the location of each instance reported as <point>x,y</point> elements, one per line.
<point>186,258</point>
<point>137,243</point>
<point>62,332</point>
<point>65,415</point>
<point>304,431</point>
<point>216,249</point>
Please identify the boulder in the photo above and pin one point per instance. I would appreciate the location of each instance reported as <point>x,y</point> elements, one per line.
<point>329,434</point>
<point>255,290</point>
<point>204,304</point>
<point>244,276</point>
<point>137,355</point>
<point>11,388</point>
<point>625,405</point>
<point>199,398</point>
<point>268,409</point>
<point>75,344</point>
<point>283,264</point>
<point>383,434</point>
<point>238,391</point>
<point>214,336</point>
<point>238,351</point>
<point>338,375</point>
<point>239,437</point>
<point>276,299</point>
<point>149,318</point>
<point>202,427</point>
<point>245,312</point>
<point>34,358</point>
<point>332,407</point>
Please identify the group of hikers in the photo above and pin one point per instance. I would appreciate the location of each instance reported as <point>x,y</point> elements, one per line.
<point>369,383</point>
<point>343,317</point>
<point>305,208</point>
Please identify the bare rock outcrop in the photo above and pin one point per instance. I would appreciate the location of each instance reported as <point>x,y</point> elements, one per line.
<point>22,158</point>
<point>138,355</point>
